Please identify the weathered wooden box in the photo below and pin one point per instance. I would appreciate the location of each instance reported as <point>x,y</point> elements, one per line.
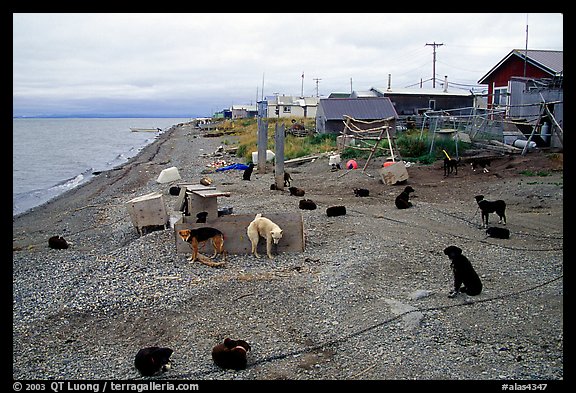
<point>394,173</point>
<point>235,238</point>
<point>148,210</point>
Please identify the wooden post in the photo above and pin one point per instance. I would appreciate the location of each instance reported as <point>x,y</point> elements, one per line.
<point>279,135</point>
<point>262,145</point>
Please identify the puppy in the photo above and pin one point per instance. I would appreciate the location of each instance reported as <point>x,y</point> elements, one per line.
<point>499,233</point>
<point>231,354</point>
<point>487,207</point>
<point>451,165</point>
<point>58,243</point>
<point>483,163</point>
<point>248,172</point>
<point>153,360</point>
<point>287,179</point>
<point>262,226</point>
<point>402,200</point>
<point>296,191</point>
<point>307,204</point>
<point>466,279</point>
<point>334,211</point>
<point>202,235</point>
<point>361,192</point>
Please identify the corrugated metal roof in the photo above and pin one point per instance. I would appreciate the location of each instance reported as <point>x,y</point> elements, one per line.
<point>369,108</point>
<point>421,92</point>
<point>552,61</point>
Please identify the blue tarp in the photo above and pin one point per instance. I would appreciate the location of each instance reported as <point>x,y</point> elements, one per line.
<point>240,167</point>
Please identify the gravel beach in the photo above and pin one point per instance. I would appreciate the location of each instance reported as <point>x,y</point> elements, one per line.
<point>366,300</point>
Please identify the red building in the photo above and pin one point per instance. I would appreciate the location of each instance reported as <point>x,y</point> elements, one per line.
<point>519,62</point>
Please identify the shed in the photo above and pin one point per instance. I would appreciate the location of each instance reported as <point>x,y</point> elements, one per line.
<point>331,111</point>
<point>416,101</point>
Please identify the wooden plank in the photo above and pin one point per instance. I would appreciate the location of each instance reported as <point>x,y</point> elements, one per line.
<point>235,238</point>
<point>211,193</point>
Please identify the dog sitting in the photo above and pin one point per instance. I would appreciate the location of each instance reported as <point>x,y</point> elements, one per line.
<point>57,243</point>
<point>307,204</point>
<point>287,179</point>
<point>334,211</point>
<point>201,235</point>
<point>153,360</point>
<point>361,192</point>
<point>451,165</point>
<point>487,207</point>
<point>402,200</point>
<point>498,233</point>
<point>296,191</point>
<point>466,279</point>
<point>248,172</point>
<point>483,163</point>
<point>262,226</point>
<point>231,354</point>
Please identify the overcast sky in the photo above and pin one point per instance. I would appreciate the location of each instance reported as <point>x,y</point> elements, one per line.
<point>188,65</point>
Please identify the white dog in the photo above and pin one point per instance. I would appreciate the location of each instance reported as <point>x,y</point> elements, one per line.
<point>262,226</point>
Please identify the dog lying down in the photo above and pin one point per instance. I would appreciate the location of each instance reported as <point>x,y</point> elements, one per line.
<point>262,226</point>
<point>466,279</point>
<point>498,233</point>
<point>153,360</point>
<point>334,211</point>
<point>201,235</point>
<point>307,204</point>
<point>231,354</point>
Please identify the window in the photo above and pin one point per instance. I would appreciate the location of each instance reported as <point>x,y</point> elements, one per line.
<point>500,97</point>
<point>287,109</point>
<point>432,104</point>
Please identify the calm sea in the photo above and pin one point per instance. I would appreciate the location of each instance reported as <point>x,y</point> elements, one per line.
<point>52,156</point>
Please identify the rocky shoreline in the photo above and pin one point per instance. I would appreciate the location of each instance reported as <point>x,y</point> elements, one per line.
<point>366,300</point>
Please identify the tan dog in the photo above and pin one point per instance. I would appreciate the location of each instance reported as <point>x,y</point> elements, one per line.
<point>202,235</point>
<point>262,226</point>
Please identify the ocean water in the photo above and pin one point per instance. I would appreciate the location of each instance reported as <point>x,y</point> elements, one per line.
<point>52,156</point>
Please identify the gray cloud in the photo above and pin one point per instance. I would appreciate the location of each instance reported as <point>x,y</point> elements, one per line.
<point>193,64</point>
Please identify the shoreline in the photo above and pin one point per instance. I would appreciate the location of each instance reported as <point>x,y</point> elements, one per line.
<point>84,312</point>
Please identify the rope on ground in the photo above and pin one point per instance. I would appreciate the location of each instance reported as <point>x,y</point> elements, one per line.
<point>347,337</point>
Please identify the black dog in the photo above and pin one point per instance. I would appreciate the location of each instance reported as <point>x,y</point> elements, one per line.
<point>402,200</point>
<point>334,211</point>
<point>248,172</point>
<point>152,360</point>
<point>488,207</point>
<point>174,190</point>
<point>361,192</point>
<point>451,165</point>
<point>307,204</point>
<point>464,273</point>
<point>58,243</point>
<point>201,217</point>
<point>296,191</point>
<point>231,354</point>
<point>287,179</point>
<point>499,233</point>
<point>483,163</point>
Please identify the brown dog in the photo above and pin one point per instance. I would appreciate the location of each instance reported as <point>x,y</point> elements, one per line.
<point>202,235</point>
<point>231,354</point>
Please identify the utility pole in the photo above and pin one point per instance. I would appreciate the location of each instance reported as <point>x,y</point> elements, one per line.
<point>302,89</point>
<point>434,45</point>
<point>317,80</point>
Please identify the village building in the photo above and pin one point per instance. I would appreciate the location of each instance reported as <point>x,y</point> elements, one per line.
<point>331,111</point>
<point>282,106</point>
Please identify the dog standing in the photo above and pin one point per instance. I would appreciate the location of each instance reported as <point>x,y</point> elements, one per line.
<point>231,354</point>
<point>466,279</point>
<point>487,207</point>
<point>402,200</point>
<point>262,226</point>
<point>153,360</point>
<point>201,235</point>
<point>450,165</point>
